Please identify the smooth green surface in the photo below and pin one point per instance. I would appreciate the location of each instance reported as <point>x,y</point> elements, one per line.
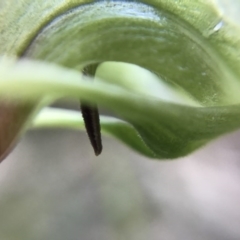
<point>136,33</point>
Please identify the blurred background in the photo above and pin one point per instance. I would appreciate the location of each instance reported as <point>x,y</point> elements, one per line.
<point>53,187</point>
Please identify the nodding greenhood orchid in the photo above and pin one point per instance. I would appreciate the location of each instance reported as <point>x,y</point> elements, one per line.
<point>168,70</point>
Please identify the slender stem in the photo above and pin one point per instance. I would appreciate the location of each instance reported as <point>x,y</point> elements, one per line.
<point>91,116</point>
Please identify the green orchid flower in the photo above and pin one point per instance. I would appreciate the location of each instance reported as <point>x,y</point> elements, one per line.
<point>168,70</point>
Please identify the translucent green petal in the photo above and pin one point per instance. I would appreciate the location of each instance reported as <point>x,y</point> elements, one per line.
<point>169,130</point>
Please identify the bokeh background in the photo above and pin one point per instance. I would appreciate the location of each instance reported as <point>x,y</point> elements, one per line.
<point>53,187</point>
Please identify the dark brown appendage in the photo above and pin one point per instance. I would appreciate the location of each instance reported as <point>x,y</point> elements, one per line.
<point>91,116</point>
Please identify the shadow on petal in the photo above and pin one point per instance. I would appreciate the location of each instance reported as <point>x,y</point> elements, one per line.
<point>13,117</point>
